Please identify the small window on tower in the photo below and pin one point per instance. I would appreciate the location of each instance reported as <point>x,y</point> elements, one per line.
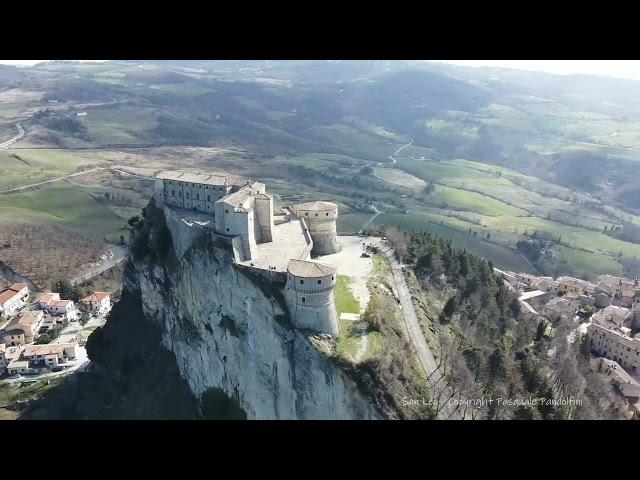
<point>327,214</point>
<point>303,299</point>
<point>208,198</point>
<point>319,282</point>
<point>316,214</point>
<point>301,282</point>
<point>306,214</point>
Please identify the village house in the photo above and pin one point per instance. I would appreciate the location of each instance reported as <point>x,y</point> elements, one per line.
<point>536,298</point>
<point>575,285</point>
<point>560,307</point>
<point>610,337</point>
<point>602,299</point>
<point>547,284</point>
<point>46,299</point>
<point>49,356</point>
<point>64,308</point>
<point>97,303</point>
<point>8,353</point>
<point>628,387</point>
<point>13,298</point>
<point>22,330</point>
<point>622,290</point>
<point>3,360</point>
<point>527,279</point>
<point>34,359</point>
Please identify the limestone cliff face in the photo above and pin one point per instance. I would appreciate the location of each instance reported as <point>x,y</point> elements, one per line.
<point>229,328</point>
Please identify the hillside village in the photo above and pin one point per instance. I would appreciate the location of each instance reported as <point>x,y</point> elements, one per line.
<point>38,332</point>
<point>608,311</point>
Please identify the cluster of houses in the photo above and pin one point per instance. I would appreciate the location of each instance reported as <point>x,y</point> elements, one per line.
<point>18,354</point>
<point>613,329</point>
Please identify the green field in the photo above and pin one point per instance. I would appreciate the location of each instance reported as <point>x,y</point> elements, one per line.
<point>64,205</point>
<point>345,301</point>
<point>23,167</point>
<point>119,124</point>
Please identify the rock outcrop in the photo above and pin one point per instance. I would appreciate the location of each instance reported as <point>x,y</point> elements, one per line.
<point>229,328</point>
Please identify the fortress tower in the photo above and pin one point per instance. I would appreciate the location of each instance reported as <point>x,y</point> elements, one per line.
<point>309,295</point>
<point>320,218</point>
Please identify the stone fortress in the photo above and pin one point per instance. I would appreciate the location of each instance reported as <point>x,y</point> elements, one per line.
<point>263,238</point>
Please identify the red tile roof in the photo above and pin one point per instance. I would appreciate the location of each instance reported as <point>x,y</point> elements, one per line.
<point>95,297</point>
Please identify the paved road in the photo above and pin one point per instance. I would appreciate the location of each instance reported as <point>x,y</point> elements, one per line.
<point>119,253</point>
<point>428,362</point>
<point>13,140</point>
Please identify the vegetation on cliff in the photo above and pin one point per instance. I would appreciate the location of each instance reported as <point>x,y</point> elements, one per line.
<point>489,348</point>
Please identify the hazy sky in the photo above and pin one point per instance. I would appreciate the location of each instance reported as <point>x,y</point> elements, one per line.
<point>611,68</point>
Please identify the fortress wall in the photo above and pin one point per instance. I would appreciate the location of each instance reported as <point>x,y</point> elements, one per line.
<point>312,304</point>
<point>159,192</point>
<point>322,227</point>
<point>324,235</point>
<point>264,211</point>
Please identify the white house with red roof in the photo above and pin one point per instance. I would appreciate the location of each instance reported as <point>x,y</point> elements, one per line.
<point>63,307</point>
<point>13,298</point>
<point>97,303</point>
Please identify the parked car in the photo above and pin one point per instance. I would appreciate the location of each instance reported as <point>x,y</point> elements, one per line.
<point>365,255</point>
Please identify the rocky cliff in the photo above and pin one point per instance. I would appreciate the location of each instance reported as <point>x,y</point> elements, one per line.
<point>228,327</point>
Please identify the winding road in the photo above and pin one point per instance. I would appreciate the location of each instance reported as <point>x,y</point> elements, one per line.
<point>11,141</point>
<point>71,175</point>
<point>439,388</point>
<point>393,156</point>
<point>25,187</point>
<point>118,254</point>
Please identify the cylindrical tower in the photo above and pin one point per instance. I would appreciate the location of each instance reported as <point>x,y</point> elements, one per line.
<point>320,218</point>
<point>309,295</point>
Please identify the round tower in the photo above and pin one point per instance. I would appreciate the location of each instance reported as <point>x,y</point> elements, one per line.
<point>320,218</point>
<point>309,296</point>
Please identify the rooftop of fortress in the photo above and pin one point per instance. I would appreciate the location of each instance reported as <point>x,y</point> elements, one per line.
<point>318,205</point>
<point>289,241</point>
<point>300,268</point>
<point>203,178</point>
<point>239,199</point>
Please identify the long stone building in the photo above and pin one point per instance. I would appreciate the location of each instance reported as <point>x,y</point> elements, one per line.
<point>281,241</point>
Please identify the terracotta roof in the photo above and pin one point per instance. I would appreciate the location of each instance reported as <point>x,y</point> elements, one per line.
<point>16,287</point>
<point>11,292</point>
<point>50,349</point>
<point>6,296</point>
<point>62,303</point>
<point>318,205</point>
<point>18,364</point>
<point>303,268</point>
<point>25,320</point>
<point>95,297</point>
<point>48,297</point>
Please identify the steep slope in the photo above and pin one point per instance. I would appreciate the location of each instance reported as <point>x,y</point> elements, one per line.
<point>224,329</point>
